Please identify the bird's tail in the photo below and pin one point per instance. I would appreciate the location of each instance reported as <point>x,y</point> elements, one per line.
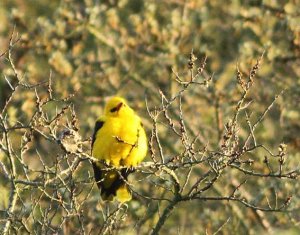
<point>112,183</point>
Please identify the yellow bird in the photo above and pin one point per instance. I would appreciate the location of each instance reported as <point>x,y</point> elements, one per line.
<point>120,143</point>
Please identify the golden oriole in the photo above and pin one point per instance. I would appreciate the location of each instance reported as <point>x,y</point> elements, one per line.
<point>119,143</point>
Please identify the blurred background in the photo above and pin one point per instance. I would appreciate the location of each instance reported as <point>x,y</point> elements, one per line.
<point>95,49</point>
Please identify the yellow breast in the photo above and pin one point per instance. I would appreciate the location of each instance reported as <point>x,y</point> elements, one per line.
<point>121,141</point>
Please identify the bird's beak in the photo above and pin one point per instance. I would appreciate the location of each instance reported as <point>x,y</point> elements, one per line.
<point>119,106</point>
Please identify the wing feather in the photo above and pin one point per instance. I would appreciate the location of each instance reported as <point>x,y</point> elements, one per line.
<point>97,127</point>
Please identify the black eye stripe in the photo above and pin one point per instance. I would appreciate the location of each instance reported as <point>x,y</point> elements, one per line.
<point>114,109</point>
<point>117,108</point>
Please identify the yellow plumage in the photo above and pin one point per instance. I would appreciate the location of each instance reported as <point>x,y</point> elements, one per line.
<point>120,142</point>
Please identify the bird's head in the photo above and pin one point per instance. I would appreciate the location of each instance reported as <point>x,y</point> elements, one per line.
<point>117,106</point>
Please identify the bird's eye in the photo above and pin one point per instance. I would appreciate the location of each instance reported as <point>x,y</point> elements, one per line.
<point>113,110</point>
<point>117,108</point>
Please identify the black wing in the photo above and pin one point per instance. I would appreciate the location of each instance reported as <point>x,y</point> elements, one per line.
<point>97,170</point>
<point>108,191</point>
<point>97,127</point>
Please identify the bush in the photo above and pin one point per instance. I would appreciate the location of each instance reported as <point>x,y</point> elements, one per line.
<point>215,84</point>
